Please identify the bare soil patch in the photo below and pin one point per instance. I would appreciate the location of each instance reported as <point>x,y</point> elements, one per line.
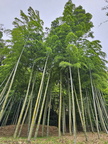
<point>7,131</point>
<point>92,138</point>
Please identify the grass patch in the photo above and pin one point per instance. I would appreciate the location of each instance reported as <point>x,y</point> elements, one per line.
<point>92,139</point>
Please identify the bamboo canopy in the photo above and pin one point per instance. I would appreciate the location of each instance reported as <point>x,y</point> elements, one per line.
<point>59,71</point>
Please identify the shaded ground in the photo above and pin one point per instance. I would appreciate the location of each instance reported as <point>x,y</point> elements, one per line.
<point>6,134</point>
<point>7,131</point>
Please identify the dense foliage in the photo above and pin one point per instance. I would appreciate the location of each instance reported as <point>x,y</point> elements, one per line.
<point>56,78</point>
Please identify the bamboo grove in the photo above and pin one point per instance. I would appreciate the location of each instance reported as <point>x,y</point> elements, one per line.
<point>57,77</point>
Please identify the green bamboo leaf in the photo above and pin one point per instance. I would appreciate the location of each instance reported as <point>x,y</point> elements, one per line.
<point>64,64</point>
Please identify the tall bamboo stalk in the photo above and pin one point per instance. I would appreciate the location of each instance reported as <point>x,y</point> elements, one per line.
<point>27,108</point>
<point>16,113</point>
<point>89,113</point>
<point>48,118</point>
<point>100,113</point>
<point>60,107</point>
<point>24,105</point>
<point>70,110</point>
<point>41,111</point>
<point>4,122</point>
<point>10,86</point>
<point>37,100</point>
<point>30,115</point>
<point>45,114</point>
<point>94,104</point>
<point>82,105</point>
<point>73,105</point>
<point>6,86</point>
<point>102,103</point>
<point>63,118</point>
<point>79,110</point>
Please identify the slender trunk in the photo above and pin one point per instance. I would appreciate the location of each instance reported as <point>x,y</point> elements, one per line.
<point>48,119</point>
<point>6,85</point>
<point>104,111</point>
<point>79,110</point>
<point>94,103</point>
<point>89,113</point>
<point>45,114</point>
<point>24,105</point>
<point>37,101</point>
<point>63,119</point>
<point>16,114</point>
<point>27,108</point>
<point>73,106</point>
<point>100,113</point>
<point>82,105</point>
<point>70,110</point>
<point>7,107</point>
<point>30,115</point>
<point>7,115</point>
<point>60,107</point>
<point>41,111</point>
<point>10,86</point>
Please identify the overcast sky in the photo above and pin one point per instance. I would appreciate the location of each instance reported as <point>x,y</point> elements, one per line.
<point>51,9</point>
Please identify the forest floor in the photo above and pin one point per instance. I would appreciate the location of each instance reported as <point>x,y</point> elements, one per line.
<point>6,134</point>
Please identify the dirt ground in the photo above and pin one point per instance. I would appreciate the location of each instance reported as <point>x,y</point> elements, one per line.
<point>92,138</point>
<point>8,131</point>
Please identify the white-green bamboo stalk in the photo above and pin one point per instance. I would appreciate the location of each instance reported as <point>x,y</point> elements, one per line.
<point>27,108</point>
<point>94,103</point>
<point>16,113</point>
<point>93,115</point>
<point>30,115</point>
<point>100,113</point>
<point>79,110</point>
<point>82,105</point>
<point>6,86</point>
<point>60,107</point>
<point>73,106</point>
<point>70,110</point>
<point>24,117</point>
<point>31,105</point>
<point>24,105</point>
<point>48,118</point>
<point>37,100</point>
<point>7,105</point>
<point>63,118</point>
<point>41,111</point>
<point>89,113</point>
<point>7,115</point>
<point>4,81</point>
<point>10,86</point>
<point>1,102</point>
<point>102,102</point>
<point>45,114</point>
